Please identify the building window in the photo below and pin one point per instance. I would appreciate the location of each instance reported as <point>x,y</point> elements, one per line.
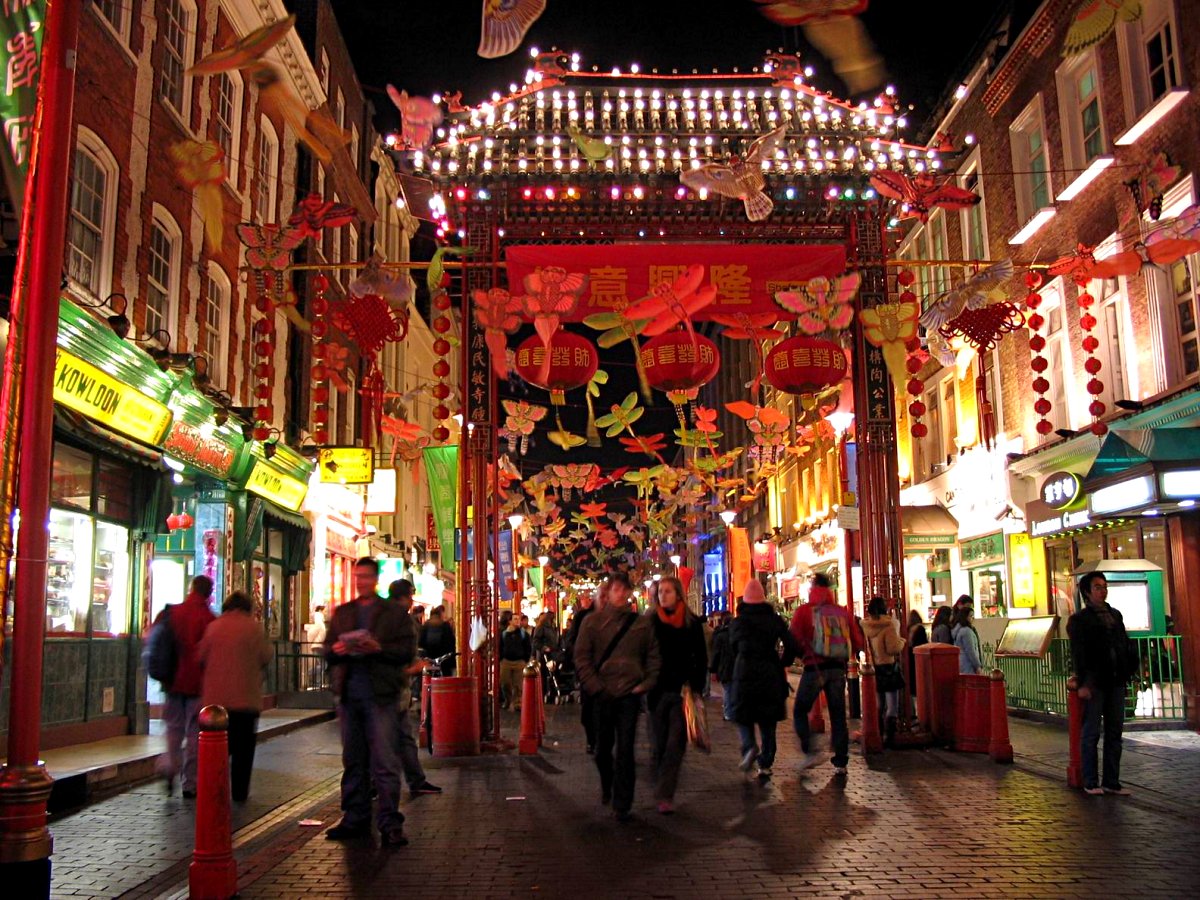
<point>321,180</point>
<point>116,14</point>
<point>227,119</point>
<point>1162,64</point>
<point>86,244</point>
<point>162,276</point>
<point>1031,162</point>
<point>1149,53</point>
<point>339,109</point>
<point>974,220</point>
<point>1183,299</point>
<point>1081,111</point>
<point>937,249</point>
<point>1110,300</point>
<point>323,72</point>
<point>213,315</point>
<point>1057,355</point>
<point>354,146</point>
<point>176,35</point>
<point>353,244</point>
<point>949,402</point>
<point>267,164</point>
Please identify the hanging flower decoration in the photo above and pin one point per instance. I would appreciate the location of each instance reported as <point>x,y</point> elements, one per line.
<point>1091,364</point>
<point>200,167</point>
<point>822,304</point>
<point>499,314</point>
<point>520,420</point>
<point>919,195</point>
<point>974,293</point>
<point>890,326</point>
<point>551,294</point>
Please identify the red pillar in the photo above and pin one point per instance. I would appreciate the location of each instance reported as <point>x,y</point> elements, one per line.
<point>213,872</point>
<point>999,747</point>
<point>872,740</point>
<point>25,842</point>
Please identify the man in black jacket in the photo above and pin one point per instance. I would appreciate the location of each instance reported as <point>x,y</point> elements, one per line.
<point>515,650</point>
<point>1101,655</point>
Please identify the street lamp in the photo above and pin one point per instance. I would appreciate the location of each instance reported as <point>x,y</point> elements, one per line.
<point>543,561</point>
<point>728,516</point>
<point>515,521</point>
<point>675,560</point>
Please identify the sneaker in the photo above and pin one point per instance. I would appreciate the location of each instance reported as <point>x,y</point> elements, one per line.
<point>425,788</point>
<point>343,832</point>
<point>189,795</point>
<point>764,773</point>
<point>666,807</point>
<point>840,770</point>
<point>1094,791</point>
<point>748,759</point>
<point>1118,790</point>
<point>393,837</point>
<point>808,760</point>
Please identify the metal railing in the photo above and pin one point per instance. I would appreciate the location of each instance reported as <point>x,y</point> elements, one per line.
<point>297,666</point>
<point>1040,684</point>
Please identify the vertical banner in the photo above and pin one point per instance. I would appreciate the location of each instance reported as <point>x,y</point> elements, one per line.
<point>739,559</point>
<point>21,35</point>
<point>879,390</point>
<point>535,578</point>
<point>479,373</point>
<point>505,558</point>
<point>441,468</point>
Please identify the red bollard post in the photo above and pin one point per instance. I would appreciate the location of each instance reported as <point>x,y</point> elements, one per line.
<point>1074,734</point>
<point>529,741</point>
<point>999,747</point>
<point>213,873</point>
<point>872,740</point>
<point>816,721</point>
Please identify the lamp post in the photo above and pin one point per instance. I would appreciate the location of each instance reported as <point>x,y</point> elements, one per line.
<point>729,516</point>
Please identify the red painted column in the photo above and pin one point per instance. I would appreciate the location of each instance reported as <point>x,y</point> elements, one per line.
<point>999,747</point>
<point>872,740</point>
<point>25,842</point>
<point>213,872</point>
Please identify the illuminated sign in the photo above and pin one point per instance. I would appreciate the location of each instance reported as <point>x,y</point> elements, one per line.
<point>1061,490</point>
<point>1064,521</point>
<point>1122,495</point>
<point>1181,483</point>
<point>82,387</point>
<point>190,445</point>
<point>347,465</point>
<point>267,481</point>
<point>1020,557</point>
<point>381,493</point>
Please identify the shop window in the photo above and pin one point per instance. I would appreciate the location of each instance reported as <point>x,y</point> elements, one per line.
<point>69,573</point>
<point>1089,550</point>
<point>1031,161</point>
<point>1122,543</point>
<point>110,581</point>
<point>1081,112</point>
<point>71,477</point>
<point>1154,548</point>
<point>114,491</point>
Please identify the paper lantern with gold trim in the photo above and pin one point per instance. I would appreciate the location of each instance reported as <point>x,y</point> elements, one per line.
<point>677,361</point>
<point>805,365</point>
<point>572,363</point>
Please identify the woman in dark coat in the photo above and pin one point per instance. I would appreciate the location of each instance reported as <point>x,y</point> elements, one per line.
<point>759,676</point>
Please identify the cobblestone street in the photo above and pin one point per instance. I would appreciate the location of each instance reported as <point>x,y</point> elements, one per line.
<point>907,824</point>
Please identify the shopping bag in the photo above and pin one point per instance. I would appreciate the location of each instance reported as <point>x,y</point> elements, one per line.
<point>696,718</point>
<point>479,635</point>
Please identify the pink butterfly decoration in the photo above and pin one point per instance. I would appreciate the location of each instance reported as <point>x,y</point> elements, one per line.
<point>823,304</point>
<point>418,117</point>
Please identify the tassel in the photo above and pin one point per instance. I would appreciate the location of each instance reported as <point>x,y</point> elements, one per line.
<point>987,416</point>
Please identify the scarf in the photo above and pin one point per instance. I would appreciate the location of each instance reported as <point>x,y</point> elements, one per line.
<point>675,619</point>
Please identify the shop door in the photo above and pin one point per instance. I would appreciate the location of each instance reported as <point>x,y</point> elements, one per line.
<point>169,577</point>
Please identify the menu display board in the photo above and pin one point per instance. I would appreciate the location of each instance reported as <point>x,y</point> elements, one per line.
<point>1028,637</point>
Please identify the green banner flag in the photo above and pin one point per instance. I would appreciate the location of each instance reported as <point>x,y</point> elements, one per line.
<point>535,578</point>
<point>21,34</point>
<point>441,467</point>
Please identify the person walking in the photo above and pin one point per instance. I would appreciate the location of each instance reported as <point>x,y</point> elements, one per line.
<point>966,639</point>
<point>187,621</point>
<point>515,650</point>
<point>1103,660</point>
<point>400,592</point>
<point>369,646</point>
<point>233,654</point>
<point>681,645</point>
<point>941,633</point>
<point>916,637</point>
<point>760,686</point>
<point>883,638</point>
<point>437,640</point>
<point>588,604</point>
<point>617,659</point>
<point>828,637</point>
<point>546,638</point>
<point>722,665</point>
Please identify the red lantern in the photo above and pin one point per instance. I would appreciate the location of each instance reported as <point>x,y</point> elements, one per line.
<point>805,365</point>
<point>676,361</point>
<point>573,362</point>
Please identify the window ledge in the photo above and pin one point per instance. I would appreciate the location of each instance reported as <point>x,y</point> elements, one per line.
<point>1153,115</point>
<point>1034,225</point>
<point>1085,178</point>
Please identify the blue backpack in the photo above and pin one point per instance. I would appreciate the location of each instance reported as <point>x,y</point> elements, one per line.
<point>161,654</point>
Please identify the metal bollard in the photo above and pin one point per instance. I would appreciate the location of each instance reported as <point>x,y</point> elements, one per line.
<point>852,688</point>
<point>999,747</point>
<point>213,872</point>
<point>530,739</point>
<point>872,740</point>
<point>1074,734</point>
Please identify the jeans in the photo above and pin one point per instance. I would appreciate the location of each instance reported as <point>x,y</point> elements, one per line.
<point>243,735</point>
<point>512,682</point>
<point>833,683</point>
<point>1109,703</point>
<point>766,754</point>
<point>368,755</point>
<point>727,700</point>
<point>668,732</point>
<point>181,715</point>
<point>616,723</point>
<point>406,746</point>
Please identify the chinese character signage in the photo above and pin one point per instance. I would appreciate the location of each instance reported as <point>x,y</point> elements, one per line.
<point>21,35</point>
<point>505,558</point>
<point>479,374</point>
<point>746,277</point>
<point>276,486</point>
<point>1062,490</point>
<point>347,465</point>
<point>879,387</point>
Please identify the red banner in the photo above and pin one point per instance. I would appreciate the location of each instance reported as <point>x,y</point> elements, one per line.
<point>739,559</point>
<point>764,557</point>
<point>746,277</point>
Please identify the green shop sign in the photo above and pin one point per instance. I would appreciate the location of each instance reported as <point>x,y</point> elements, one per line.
<point>984,551</point>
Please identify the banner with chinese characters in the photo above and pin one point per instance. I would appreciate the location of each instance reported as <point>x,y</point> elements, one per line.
<point>739,559</point>
<point>879,388</point>
<point>504,557</point>
<point>21,34</point>
<point>441,468</point>
<point>746,277</point>
<point>479,374</point>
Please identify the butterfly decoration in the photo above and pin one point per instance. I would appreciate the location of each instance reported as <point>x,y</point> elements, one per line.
<point>314,213</point>
<point>505,23</point>
<point>550,294</point>
<point>593,149</point>
<point>977,291</point>
<point>756,328</point>
<point>741,178</point>
<point>499,313</point>
<point>1185,225</point>
<point>705,420</point>
<point>407,440</point>
<point>246,51</point>
<point>673,303</point>
<point>519,421</point>
<point>921,194</point>
<point>691,439</point>
<point>644,479</point>
<point>419,116</point>
<point>834,30</point>
<point>436,277</point>
<point>1149,186</point>
<point>768,425</point>
<point>396,287</point>
<point>568,477</point>
<point>1094,20</point>
<point>890,326</point>
<point>1079,262</point>
<point>621,416</point>
<point>593,391</point>
<point>200,166</point>
<point>598,480</point>
<point>822,304</point>
<point>269,253</point>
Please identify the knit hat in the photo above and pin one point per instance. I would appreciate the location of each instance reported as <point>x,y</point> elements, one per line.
<point>753,592</point>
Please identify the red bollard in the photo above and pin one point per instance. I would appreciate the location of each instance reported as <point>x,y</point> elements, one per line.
<point>816,721</point>
<point>530,740</point>
<point>213,873</point>
<point>872,740</point>
<point>999,747</point>
<point>1074,734</point>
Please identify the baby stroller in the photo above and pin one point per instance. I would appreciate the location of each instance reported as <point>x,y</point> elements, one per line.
<point>558,678</point>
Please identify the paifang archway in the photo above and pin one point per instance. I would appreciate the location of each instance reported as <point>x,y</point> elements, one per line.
<point>578,161</point>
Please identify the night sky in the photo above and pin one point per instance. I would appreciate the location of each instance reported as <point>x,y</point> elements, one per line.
<point>430,47</point>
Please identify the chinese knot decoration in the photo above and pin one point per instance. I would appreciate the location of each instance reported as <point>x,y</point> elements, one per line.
<point>1037,343</point>
<point>569,361</point>
<point>1092,365</point>
<point>320,371</point>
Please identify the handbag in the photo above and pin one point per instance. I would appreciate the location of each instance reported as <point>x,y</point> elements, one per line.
<point>695,716</point>
<point>888,676</point>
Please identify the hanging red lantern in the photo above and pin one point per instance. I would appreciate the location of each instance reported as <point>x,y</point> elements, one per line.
<point>1037,343</point>
<point>805,365</point>
<point>573,362</point>
<point>677,361</point>
<point>1091,365</point>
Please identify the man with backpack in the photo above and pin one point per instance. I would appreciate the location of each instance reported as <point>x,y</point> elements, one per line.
<point>829,638</point>
<point>172,660</point>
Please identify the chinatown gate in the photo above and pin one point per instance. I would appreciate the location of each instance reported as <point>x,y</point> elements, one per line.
<point>582,171</point>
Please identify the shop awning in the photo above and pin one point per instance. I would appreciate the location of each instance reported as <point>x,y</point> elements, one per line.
<point>927,527</point>
<point>1141,448</point>
<point>96,437</point>
<point>284,516</point>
